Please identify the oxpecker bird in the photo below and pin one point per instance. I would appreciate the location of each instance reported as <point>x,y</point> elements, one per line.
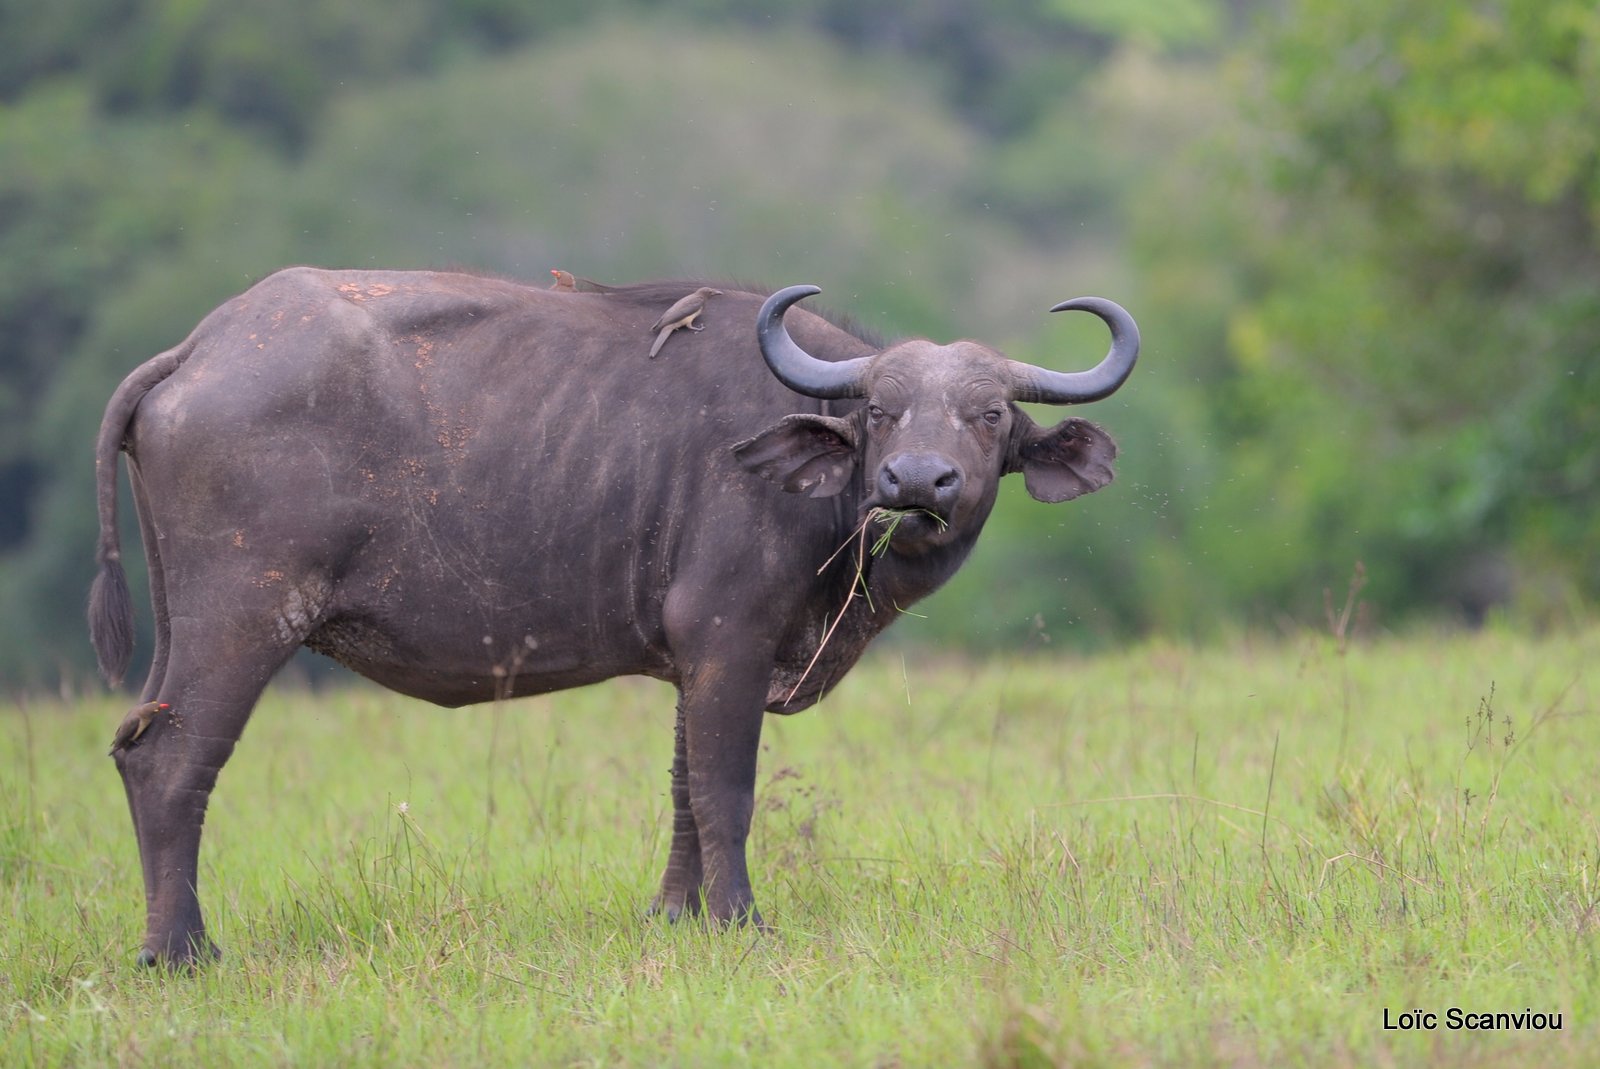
<point>133,725</point>
<point>564,282</point>
<point>682,314</point>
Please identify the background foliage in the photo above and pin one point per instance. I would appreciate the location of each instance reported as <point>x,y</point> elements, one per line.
<point>1359,236</point>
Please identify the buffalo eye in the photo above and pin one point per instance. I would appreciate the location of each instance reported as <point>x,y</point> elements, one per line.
<point>993,417</point>
<point>874,415</point>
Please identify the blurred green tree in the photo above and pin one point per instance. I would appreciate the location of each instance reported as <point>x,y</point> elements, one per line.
<point>1401,224</point>
<point>270,66</point>
<point>1359,236</point>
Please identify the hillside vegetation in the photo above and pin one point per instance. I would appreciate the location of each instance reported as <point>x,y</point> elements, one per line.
<point>1359,237</point>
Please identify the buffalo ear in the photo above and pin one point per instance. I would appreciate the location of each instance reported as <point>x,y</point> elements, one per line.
<point>808,454</point>
<point>1068,460</point>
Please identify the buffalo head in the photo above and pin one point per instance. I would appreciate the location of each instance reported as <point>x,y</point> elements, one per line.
<point>939,427</point>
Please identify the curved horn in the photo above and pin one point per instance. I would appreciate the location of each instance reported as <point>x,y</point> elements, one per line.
<point>796,368</point>
<point>1031,383</point>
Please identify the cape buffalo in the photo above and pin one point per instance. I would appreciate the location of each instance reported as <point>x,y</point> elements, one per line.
<point>466,488</point>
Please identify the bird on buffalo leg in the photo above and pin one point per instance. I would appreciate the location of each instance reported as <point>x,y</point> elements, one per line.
<point>134,724</point>
<point>682,314</point>
<point>564,282</point>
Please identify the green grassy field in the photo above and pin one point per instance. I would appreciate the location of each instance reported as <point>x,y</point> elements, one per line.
<point>1237,856</point>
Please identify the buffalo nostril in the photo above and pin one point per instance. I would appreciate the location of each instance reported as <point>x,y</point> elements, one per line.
<point>947,481</point>
<point>888,485</point>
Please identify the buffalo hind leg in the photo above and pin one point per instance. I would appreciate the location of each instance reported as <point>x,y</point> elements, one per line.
<point>169,772</point>
<point>162,619</point>
<point>681,884</point>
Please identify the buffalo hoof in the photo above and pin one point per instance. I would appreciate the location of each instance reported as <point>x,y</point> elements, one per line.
<point>149,959</point>
<point>749,918</point>
<point>675,908</point>
<point>740,912</point>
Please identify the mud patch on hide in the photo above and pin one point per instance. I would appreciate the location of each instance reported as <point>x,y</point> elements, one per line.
<point>299,613</point>
<point>356,294</point>
<point>354,643</point>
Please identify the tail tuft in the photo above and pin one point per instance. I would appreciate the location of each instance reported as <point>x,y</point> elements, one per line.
<point>111,619</point>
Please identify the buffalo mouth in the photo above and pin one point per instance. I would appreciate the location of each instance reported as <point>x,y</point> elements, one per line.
<point>902,526</point>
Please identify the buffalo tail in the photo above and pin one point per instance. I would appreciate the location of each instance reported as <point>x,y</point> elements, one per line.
<point>110,603</point>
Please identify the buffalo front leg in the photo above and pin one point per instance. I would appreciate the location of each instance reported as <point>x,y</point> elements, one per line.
<point>681,883</point>
<point>722,713</point>
<point>168,773</point>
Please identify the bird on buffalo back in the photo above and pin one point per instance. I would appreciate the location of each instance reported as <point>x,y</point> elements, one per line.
<point>682,314</point>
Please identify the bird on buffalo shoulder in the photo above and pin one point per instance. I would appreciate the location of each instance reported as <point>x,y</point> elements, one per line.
<point>682,314</point>
<point>564,282</point>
